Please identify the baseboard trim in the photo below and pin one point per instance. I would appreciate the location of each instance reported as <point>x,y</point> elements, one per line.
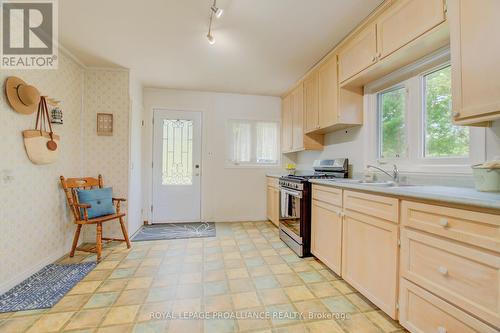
<point>18,278</point>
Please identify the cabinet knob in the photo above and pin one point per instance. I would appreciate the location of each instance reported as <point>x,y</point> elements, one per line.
<point>374,58</point>
<point>456,114</point>
<point>441,329</point>
<point>443,222</point>
<point>339,214</point>
<point>443,270</point>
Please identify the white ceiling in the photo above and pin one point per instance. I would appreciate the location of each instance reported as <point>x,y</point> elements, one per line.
<point>262,46</point>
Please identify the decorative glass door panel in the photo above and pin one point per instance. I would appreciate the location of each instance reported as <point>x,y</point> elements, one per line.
<point>177,157</point>
<point>176,166</point>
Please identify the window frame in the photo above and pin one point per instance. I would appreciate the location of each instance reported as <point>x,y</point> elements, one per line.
<point>413,77</point>
<point>253,164</point>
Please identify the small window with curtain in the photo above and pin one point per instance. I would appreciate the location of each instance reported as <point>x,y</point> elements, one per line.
<point>252,143</point>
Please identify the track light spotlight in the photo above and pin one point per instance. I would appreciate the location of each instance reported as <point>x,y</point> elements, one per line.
<point>217,11</point>
<point>211,39</point>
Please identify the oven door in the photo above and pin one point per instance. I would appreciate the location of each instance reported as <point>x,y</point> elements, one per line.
<point>290,212</point>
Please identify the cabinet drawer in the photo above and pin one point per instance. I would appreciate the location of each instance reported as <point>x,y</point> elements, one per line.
<point>273,182</point>
<point>422,312</point>
<point>473,228</point>
<point>330,195</point>
<point>464,276</point>
<point>374,205</point>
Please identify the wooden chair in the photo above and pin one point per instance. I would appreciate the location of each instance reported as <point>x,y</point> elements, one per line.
<point>70,185</point>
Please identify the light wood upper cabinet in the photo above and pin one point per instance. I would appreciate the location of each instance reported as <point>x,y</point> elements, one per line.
<point>286,124</point>
<point>406,20</point>
<point>358,53</point>
<point>311,100</point>
<point>475,54</point>
<point>297,101</point>
<point>328,93</point>
<point>294,137</point>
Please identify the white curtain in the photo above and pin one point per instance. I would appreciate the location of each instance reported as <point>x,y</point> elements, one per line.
<point>252,142</point>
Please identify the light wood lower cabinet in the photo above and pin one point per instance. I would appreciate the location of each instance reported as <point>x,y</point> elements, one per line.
<point>465,276</point>
<point>273,197</point>
<point>370,258</point>
<point>326,234</point>
<point>422,312</point>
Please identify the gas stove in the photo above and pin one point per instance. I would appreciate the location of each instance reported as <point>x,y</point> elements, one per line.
<point>295,202</point>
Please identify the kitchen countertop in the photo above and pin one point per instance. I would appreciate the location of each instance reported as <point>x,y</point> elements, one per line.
<point>454,195</point>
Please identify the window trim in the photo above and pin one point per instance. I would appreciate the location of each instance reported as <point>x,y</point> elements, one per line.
<point>413,77</point>
<point>228,164</point>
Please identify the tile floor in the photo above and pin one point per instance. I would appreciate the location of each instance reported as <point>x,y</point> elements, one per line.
<point>245,271</point>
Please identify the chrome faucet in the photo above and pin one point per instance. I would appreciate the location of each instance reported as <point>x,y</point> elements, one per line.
<point>395,172</point>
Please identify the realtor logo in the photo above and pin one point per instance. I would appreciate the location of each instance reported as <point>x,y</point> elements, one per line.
<point>28,34</point>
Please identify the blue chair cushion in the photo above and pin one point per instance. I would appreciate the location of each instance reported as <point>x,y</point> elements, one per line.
<point>100,201</point>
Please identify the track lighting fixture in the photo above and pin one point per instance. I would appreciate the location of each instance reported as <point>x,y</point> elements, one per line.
<point>214,10</point>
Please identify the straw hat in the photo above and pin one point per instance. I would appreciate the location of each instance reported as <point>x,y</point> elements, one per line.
<point>22,97</point>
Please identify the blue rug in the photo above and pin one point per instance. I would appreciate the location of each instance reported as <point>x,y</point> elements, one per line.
<point>175,231</point>
<point>44,288</point>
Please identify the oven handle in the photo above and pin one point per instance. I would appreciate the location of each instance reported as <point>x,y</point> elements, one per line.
<point>296,194</point>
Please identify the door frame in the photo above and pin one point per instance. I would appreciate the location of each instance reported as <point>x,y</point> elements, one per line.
<point>154,109</point>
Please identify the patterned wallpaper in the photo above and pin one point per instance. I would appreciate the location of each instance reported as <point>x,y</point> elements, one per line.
<point>35,227</point>
<point>107,92</point>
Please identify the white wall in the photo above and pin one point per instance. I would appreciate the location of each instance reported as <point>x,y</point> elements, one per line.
<point>135,156</point>
<point>228,194</point>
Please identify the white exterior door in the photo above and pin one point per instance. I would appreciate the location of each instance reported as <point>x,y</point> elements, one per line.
<point>176,166</point>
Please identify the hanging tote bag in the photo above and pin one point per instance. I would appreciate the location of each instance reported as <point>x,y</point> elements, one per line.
<point>42,146</point>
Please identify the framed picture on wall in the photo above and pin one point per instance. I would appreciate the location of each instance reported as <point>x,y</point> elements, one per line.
<point>104,124</point>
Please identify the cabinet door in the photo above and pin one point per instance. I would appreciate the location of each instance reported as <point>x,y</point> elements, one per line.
<point>311,100</point>
<point>475,54</point>
<point>328,93</point>
<point>358,53</point>
<point>269,203</point>
<point>298,118</point>
<point>326,230</point>
<point>286,126</point>
<point>370,259</point>
<point>275,218</point>
<point>406,20</point>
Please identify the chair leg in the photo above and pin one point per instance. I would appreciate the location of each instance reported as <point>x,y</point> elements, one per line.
<point>99,241</point>
<point>75,240</point>
<point>125,233</point>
